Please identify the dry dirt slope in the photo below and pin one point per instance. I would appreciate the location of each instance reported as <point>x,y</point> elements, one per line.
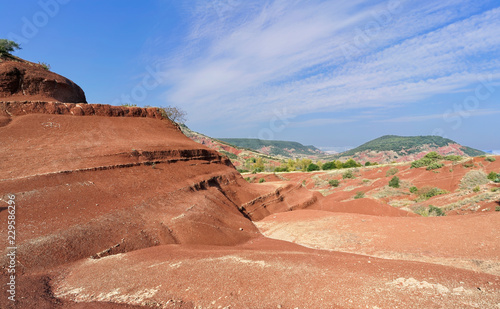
<point>117,211</point>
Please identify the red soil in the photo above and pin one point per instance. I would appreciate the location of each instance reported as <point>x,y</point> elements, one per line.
<point>21,80</point>
<point>364,206</point>
<point>116,208</point>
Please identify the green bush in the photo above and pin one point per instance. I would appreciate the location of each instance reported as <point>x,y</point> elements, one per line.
<point>453,158</point>
<point>313,167</point>
<point>394,182</point>
<point>490,159</point>
<point>433,156</point>
<point>262,180</point>
<point>350,163</point>
<point>421,163</point>
<point>435,211</point>
<point>413,189</point>
<point>430,211</point>
<point>434,166</point>
<point>476,189</point>
<point>348,175</point>
<point>329,166</point>
<point>44,65</point>
<point>281,169</point>
<point>7,46</point>
<point>497,208</point>
<point>492,176</point>
<point>359,194</point>
<point>391,172</point>
<point>241,171</point>
<point>367,163</point>
<point>334,182</point>
<point>426,193</point>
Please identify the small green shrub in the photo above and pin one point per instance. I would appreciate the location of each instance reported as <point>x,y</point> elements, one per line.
<point>7,46</point>
<point>476,189</point>
<point>435,211</point>
<point>367,163</point>
<point>44,65</point>
<point>348,175</point>
<point>430,211</point>
<point>350,163</point>
<point>129,105</point>
<point>497,208</point>
<point>281,169</point>
<point>394,182</point>
<point>391,172</point>
<point>334,182</point>
<point>490,159</point>
<point>329,166</point>
<point>262,180</point>
<point>359,194</point>
<point>241,171</point>
<point>413,189</point>
<point>434,166</point>
<point>494,189</point>
<point>433,156</point>
<point>313,167</point>
<point>453,158</point>
<point>426,193</point>
<point>421,163</point>
<point>492,176</point>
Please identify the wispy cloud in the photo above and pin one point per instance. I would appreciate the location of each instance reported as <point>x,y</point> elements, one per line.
<point>326,56</point>
<point>479,112</point>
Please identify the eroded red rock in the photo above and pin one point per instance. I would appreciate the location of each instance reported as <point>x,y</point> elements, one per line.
<point>21,80</point>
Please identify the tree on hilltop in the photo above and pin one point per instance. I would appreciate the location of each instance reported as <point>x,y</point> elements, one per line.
<point>176,114</point>
<point>7,46</point>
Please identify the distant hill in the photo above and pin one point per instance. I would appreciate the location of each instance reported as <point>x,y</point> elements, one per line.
<point>276,148</point>
<point>242,158</point>
<point>390,148</point>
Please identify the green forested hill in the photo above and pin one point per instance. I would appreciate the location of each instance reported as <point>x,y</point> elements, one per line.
<point>275,148</point>
<point>408,145</point>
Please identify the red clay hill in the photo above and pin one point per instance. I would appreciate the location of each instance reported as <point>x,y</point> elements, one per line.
<point>116,208</point>
<point>21,80</point>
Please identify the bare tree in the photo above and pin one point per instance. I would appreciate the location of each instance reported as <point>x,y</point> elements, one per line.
<point>174,113</point>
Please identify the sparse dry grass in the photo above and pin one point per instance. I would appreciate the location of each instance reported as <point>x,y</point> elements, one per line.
<point>472,201</point>
<point>473,179</point>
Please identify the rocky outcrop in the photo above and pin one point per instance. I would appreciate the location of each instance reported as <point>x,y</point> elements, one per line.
<point>8,109</point>
<point>22,80</point>
<point>96,180</point>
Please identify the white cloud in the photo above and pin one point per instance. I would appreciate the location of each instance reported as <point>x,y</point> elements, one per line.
<point>251,60</point>
<point>479,112</point>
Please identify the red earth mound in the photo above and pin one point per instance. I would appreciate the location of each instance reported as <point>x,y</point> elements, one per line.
<point>21,80</point>
<point>116,208</point>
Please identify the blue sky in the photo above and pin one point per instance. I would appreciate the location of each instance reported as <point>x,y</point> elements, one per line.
<point>327,73</point>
